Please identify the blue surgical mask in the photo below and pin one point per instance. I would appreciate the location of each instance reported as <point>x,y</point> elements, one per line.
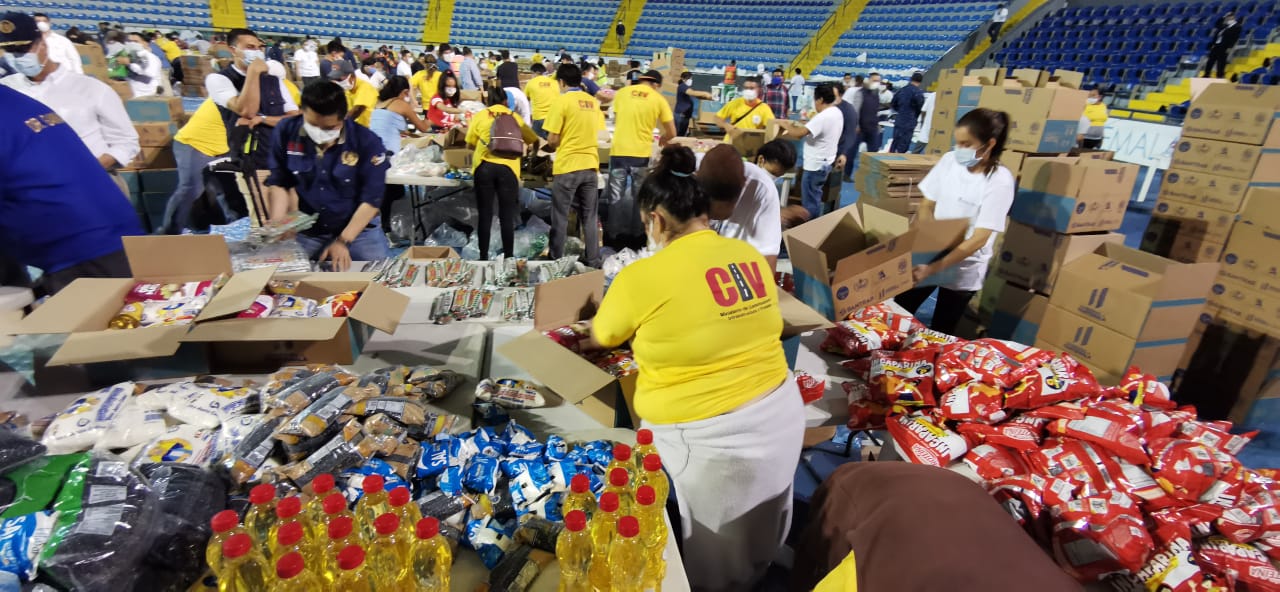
<point>27,64</point>
<point>776,81</point>
<point>967,157</point>
<point>252,55</point>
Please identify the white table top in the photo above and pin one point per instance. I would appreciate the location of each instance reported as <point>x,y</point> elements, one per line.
<point>421,181</point>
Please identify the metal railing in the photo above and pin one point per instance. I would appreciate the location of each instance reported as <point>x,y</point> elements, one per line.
<point>836,16</point>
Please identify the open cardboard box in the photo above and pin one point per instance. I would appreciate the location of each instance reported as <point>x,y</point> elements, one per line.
<point>579,382</point>
<point>420,252</point>
<point>861,255</point>
<point>246,345</point>
<point>83,309</point>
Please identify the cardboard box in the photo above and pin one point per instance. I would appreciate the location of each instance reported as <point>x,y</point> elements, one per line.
<point>471,95</point>
<point>154,109</point>
<point>1227,159</point>
<point>1136,294</point>
<point>671,64</point>
<point>1236,302</point>
<point>1252,259</point>
<point>1040,119</point>
<point>1262,208</point>
<point>1068,78</point>
<point>749,142</point>
<point>122,90</point>
<point>1017,315</point>
<point>98,72</point>
<point>1106,351</point>
<point>252,345</point>
<point>986,76</point>
<point>1030,77</point>
<point>154,158</point>
<point>1201,189</point>
<point>91,55</point>
<point>1032,257</point>
<point>419,252</point>
<point>861,255</point>
<point>1241,113</point>
<point>155,135</point>
<point>1180,240</point>
<point>83,309</point>
<point>1072,195</point>
<point>458,158</point>
<point>1197,221</point>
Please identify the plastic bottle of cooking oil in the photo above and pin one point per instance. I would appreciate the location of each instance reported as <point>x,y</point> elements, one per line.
<point>292,575</point>
<point>653,476</point>
<point>320,488</point>
<point>402,505</point>
<point>626,557</point>
<point>292,538</point>
<point>243,567</point>
<point>580,496</point>
<point>603,526</point>
<point>289,511</point>
<point>373,504</point>
<point>341,531</point>
<point>430,559</point>
<point>621,459</point>
<point>224,524</point>
<point>388,552</point>
<point>261,516</point>
<point>620,483</point>
<point>573,553</point>
<point>352,577</point>
<point>644,447</point>
<point>653,528</point>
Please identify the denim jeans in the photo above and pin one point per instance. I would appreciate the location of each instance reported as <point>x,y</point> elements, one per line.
<point>813,188</point>
<point>618,211</point>
<point>537,128</point>
<point>575,191</point>
<point>370,245</point>
<point>191,185</point>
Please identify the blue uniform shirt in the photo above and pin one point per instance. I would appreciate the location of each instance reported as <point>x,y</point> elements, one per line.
<point>57,206</point>
<point>907,103</point>
<point>351,172</point>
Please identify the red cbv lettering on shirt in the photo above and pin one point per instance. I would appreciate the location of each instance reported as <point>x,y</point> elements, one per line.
<point>739,282</point>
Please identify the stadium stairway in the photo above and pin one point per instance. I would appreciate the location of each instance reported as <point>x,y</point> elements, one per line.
<point>819,46</point>
<point>1178,91</point>
<point>984,44</point>
<point>629,12</point>
<point>439,22</point>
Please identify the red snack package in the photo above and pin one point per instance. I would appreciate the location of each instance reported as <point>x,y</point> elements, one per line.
<point>1066,410</point>
<point>860,367</point>
<point>1170,569</point>
<point>261,307</point>
<point>1215,434</point>
<point>856,338</point>
<point>1270,546</point>
<point>143,292</point>
<point>903,378</point>
<point>1095,471</point>
<point>1060,379</point>
<point>923,338</point>
<point>570,337</point>
<point>995,462</point>
<point>1100,535</point>
<point>865,414</point>
<point>1164,424</point>
<point>1144,389</point>
<point>338,305</point>
<point>811,389</point>
<point>1257,517</point>
<point>1020,433</point>
<point>1187,469</point>
<point>1026,496</point>
<point>1107,434</point>
<point>973,401</point>
<point>1140,485</point>
<point>1243,567</point>
<point>995,362</point>
<point>924,442</point>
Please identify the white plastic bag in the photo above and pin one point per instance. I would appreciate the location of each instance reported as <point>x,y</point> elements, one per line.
<point>78,427</point>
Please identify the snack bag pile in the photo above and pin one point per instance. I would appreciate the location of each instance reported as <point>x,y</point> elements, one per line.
<point>1119,483</point>
<point>149,304</point>
<point>281,301</point>
<point>618,362</point>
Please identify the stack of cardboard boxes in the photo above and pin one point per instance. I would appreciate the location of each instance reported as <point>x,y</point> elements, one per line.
<point>1229,148</point>
<point>152,176</point>
<point>94,62</point>
<point>892,181</point>
<point>1247,292</point>
<point>194,70</point>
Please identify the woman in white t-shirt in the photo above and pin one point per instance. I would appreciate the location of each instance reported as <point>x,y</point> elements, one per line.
<point>969,182</point>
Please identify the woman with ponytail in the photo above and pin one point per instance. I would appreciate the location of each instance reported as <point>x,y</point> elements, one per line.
<point>970,183</point>
<point>703,320</point>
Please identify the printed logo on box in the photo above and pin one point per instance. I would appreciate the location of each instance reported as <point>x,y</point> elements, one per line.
<point>1196,113</point>
<point>1172,178</point>
<point>843,292</point>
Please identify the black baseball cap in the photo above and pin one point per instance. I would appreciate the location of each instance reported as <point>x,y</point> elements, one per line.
<point>17,32</point>
<point>341,70</point>
<point>652,76</point>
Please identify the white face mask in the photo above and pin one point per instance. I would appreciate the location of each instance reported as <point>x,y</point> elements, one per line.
<point>407,99</point>
<point>252,55</point>
<point>1092,100</point>
<point>27,64</point>
<point>967,157</point>
<point>320,135</point>
<point>749,95</point>
<point>450,91</point>
<point>43,27</point>
<point>654,246</point>
<point>874,86</point>
<point>448,55</point>
<point>309,47</point>
<point>346,84</point>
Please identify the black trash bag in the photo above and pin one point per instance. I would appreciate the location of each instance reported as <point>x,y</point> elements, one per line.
<point>188,497</point>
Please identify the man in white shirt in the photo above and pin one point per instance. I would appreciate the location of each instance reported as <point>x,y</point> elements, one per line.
<point>797,89</point>
<point>307,62</point>
<point>405,67</point>
<point>821,143</point>
<point>144,68</point>
<point>87,104</point>
<point>744,201</point>
<point>997,21</point>
<point>61,49</point>
<point>250,99</point>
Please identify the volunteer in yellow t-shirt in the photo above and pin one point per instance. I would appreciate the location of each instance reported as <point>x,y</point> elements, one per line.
<point>638,109</point>
<point>745,112</point>
<point>361,96</point>
<point>703,319</point>
<point>497,178</point>
<point>425,82</point>
<point>573,127</point>
<point>543,91</point>
<point>199,142</point>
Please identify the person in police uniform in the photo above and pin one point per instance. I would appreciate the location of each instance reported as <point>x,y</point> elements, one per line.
<point>59,209</point>
<point>323,163</point>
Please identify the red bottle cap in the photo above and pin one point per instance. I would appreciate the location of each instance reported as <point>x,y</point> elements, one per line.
<point>644,437</point>
<point>373,484</point>
<point>580,483</point>
<point>290,565</point>
<point>322,484</point>
<point>628,526</point>
<point>340,527</point>
<point>398,496</point>
<point>236,545</point>
<point>652,462</point>
<point>609,502</point>
<point>618,477</point>
<point>289,534</point>
<point>289,507</point>
<point>428,527</point>
<point>575,521</point>
<point>350,558</point>
<point>224,521</point>
<point>386,524</point>
<point>645,496</point>
<point>334,503</point>
<point>262,494</point>
<point>621,452</point>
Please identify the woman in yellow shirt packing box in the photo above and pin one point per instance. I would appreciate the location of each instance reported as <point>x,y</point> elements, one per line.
<point>703,319</point>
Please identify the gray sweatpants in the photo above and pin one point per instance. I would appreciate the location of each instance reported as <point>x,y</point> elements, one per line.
<point>577,191</point>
